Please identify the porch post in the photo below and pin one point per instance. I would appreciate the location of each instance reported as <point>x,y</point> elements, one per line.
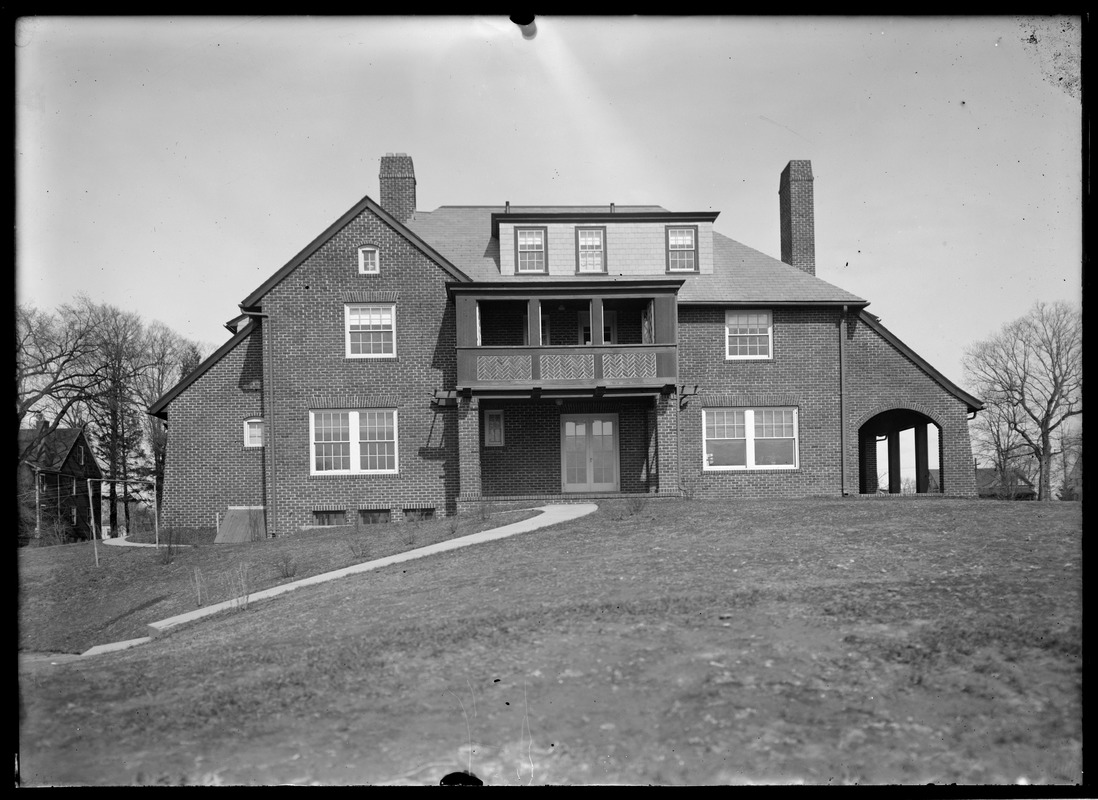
<point>893,462</point>
<point>922,464</point>
<point>468,412</point>
<point>867,470</point>
<point>596,322</point>
<point>533,323</point>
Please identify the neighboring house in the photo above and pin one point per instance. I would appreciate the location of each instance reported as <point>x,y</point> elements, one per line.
<point>53,485</point>
<point>410,363</point>
<point>1014,486</point>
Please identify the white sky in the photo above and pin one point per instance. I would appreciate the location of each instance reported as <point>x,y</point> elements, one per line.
<point>169,166</point>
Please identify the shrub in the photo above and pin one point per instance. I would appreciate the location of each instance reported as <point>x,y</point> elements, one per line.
<point>284,565</point>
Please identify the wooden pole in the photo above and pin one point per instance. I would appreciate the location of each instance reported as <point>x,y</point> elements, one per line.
<point>91,516</point>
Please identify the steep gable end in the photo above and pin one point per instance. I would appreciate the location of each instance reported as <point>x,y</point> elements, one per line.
<point>364,205</point>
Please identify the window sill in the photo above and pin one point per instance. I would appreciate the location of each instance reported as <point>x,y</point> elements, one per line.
<point>749,358</point>
<point>325,475</point>
<point>752,469</point>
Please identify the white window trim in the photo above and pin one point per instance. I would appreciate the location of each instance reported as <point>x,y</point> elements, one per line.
<point>355,450</point>
<point>347,330</point>
<point>692,249</point>
<point>247,429</point>
<point>502,438</point>
<point>544,233</point>
<point>362,265</point>
<point>769,335</point>
<point>749,429</point>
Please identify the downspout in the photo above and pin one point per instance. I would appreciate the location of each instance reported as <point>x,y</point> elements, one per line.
<point>266,386</point>
<point>842,401</point>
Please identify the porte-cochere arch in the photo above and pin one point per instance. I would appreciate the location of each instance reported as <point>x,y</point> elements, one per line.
<point>889,420</point>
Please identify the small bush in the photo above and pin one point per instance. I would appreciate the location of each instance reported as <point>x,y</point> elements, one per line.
<point>635,504</point>
<point>284,565</point>
<point>484,510</point>
<point>358,545</point>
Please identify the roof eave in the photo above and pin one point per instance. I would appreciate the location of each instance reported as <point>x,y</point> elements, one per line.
<point>159,408</point>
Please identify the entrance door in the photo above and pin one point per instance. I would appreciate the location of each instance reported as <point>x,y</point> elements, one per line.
<point>589,452</point>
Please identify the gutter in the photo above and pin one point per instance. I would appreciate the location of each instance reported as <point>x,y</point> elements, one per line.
<point>269,494</point>
<point>842,400</point>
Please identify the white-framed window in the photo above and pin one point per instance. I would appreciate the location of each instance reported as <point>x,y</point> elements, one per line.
<point>253,432</point>
<point>493,428</point>
<point>748,335</point>
<point>369,260</point>
<point>74,515</point>
<point>682,249</point>
<point>590,250</point>
<point>80,455</point>
<point>530,250</point>
<point>370,330</point>
<point>749,438</point>
<point>353,441</point>
<point>74,487</point>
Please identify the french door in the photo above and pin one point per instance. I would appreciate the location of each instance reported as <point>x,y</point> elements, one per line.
<point>589,453</point>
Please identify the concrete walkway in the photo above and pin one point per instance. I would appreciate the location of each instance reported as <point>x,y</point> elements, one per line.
<point>551,515</point>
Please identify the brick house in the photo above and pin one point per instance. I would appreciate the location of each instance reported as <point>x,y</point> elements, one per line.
<point>410,363</point>
<point>53,484</point>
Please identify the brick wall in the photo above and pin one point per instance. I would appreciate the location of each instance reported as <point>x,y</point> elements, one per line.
<point>309,370</point>
<point>881,378</point>
<point>804,372</point>
<point>207,467</point>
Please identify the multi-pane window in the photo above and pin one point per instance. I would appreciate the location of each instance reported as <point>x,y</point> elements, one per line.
<point>353,442</point>
<point>253,432</point>
<point>530,250</point>
<point>371,330</point>
<point>329,517</point>
<point>750,438</point>
<point>377,441</point>
<point>682,249</point>
<point>493,429</point>
<point>590,250</point>
<point>378,516</point>
<point>368,262</point>
<point>748,334</point>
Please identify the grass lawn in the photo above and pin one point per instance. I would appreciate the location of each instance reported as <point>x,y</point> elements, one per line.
<point>818,641</point>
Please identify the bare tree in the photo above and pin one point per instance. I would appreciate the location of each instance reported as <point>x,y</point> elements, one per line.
<point>170,357</point>
<point>1030,377</point>
<point>114,412</point>
<point>56,368</point>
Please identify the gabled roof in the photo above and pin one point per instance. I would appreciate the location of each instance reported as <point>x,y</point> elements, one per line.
<point>463,234</point>
<point>159,408</point>
<point>253,300</point>
<point>54,450</point>
<point>974,404</point>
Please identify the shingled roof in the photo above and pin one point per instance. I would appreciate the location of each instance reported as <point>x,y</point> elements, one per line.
<point>52,452</point>
<point>463,235</point>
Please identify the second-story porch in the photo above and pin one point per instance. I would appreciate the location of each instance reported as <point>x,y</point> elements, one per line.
<point>567,339</point>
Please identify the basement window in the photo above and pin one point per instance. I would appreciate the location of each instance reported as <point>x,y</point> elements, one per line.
<point>378,516</point>
<point>418,514</point>
<point>329,518</point>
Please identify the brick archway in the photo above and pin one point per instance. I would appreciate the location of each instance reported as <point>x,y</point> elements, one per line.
<point>889,420</point>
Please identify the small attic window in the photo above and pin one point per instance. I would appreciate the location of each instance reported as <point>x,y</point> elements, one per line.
<point>80,454</point>
<point>369,262</point>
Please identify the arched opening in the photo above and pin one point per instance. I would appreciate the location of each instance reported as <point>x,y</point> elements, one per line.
<point>899,452</point>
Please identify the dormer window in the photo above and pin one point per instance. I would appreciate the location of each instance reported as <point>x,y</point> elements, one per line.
<point>682,249</point>
<point>368,261</point>
<point>530,253</point>
<point>590,249</point>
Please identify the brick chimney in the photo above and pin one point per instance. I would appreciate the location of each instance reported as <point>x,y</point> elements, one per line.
<point>798,227</point>
<point>398,186</point>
